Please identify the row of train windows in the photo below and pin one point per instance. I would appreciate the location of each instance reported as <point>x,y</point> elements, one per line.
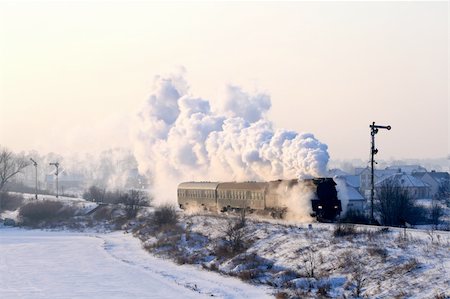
<point>231,194</point>
<point>234,194</point>
<point>196,193</point>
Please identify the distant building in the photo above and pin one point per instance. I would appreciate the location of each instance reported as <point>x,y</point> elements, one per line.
<point>416,188</point>
<point>436,181</point>
<point>380,174</point>
<point>365,175</point>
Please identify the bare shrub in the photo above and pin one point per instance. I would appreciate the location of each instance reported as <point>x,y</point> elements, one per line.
<point>359,280</point>
<point>402,269</point>
<point>323,290</point>
<point>45,211</point>
<point>436,212</point>
<point>235,236</point>
<point>281,295</point>
<point>378,251</point>
<point>165,216</point>
<point>344,229</point>
<point>103,213</point>
<point>309,258</point>
<point>348,260</point>
<point>441,296</point>
<point>10,202</point>
<point>410,265</point>
<point>403,239</point>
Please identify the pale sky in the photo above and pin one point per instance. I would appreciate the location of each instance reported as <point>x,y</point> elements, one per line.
<point>72,73</point>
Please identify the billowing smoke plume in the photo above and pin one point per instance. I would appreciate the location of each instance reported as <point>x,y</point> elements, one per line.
<point>179,137</point>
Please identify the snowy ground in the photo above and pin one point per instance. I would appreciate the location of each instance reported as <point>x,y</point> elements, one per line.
<point>43,264</point>
<point>389,264</point>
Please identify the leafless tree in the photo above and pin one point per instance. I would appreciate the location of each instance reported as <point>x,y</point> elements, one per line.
<point>359,279</point>
<point>95,194</point>
<point>10,165</point>
<point>395,205</point>
<point>133,201</point>
<point>435,214</point>
<point>309,258</point>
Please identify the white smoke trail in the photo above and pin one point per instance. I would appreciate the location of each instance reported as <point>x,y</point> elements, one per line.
<point>178,137</point>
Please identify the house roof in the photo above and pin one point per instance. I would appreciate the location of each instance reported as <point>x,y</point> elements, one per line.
<point>199,185</point>
<point>354,194</point>
<point>353,180</point>
<point>436,175</point>
<point>407,168</point>
<point>403,180</point>
<point>439,176</point>
<point>377,172</point>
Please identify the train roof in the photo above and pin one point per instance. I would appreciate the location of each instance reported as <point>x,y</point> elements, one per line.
<point>256,186</point>
<point>198,185</point>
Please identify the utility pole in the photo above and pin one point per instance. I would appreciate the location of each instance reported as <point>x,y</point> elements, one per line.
<point>36,187</point>
<point>373,151</point>
<point>56,164</point>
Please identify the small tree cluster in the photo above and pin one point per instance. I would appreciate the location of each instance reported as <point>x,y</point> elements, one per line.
<point>10,165</point>
<point>44,211</point>
<point>10,202</point>
<point>133,201</point>
<point>101,195</point>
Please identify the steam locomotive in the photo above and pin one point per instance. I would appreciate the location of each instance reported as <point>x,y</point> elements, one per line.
<point>264,197</point>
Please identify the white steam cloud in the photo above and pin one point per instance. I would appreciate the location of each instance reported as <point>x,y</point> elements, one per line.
<point>178,137</point>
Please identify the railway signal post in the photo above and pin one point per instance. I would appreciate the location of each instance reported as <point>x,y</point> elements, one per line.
<point>36,186</point>
<point>56,164</point>
<point>373,151</point>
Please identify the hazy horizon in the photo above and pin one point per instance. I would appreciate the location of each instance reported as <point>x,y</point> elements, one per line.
<point>74,74</point>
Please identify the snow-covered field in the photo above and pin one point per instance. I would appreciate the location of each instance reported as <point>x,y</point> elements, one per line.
<point>385,263</point>
<point>48,264</point>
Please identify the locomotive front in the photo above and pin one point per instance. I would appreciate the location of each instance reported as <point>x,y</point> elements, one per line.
<point>326,206</point>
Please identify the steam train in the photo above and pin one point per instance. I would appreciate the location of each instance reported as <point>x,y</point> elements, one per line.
<point>263,197</point>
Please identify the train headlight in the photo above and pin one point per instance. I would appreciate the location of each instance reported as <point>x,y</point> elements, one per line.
<point>319,207</point>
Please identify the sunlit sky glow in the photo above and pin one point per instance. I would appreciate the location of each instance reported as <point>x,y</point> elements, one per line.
<point>72,74</point>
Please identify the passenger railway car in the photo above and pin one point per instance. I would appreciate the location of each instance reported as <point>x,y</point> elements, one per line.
<point>262,197</point>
